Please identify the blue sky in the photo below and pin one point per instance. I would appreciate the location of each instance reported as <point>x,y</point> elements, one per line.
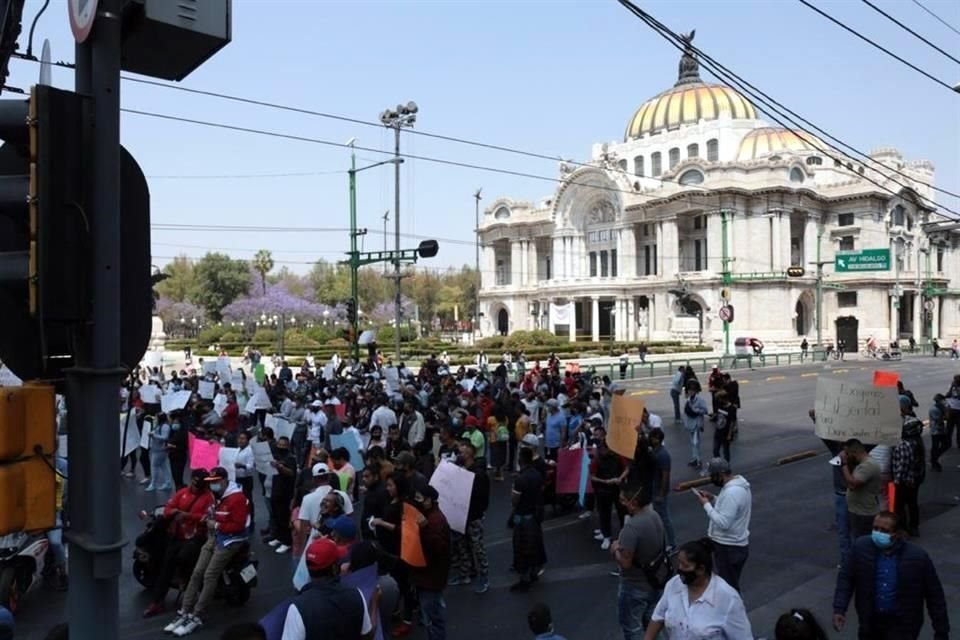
<point>549,77</point>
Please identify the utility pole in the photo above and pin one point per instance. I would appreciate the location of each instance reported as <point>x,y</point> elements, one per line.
<point>386,217</point>
<point>476,301</point>
<point>95,535</point>
<point>404,116</point>
<point>727,279</point>
<point>819,264</point>
<point>895,320</point>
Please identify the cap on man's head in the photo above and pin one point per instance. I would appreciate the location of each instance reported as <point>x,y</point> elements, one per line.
<point>199,474</point>
<point>406,458</point>
<point>316,403</point>
<point>321,554</point>
<point>217,473</point>
<point>718,465</point>
<point>552,403</point>
<point>319,469</point>
<point>344,527</point>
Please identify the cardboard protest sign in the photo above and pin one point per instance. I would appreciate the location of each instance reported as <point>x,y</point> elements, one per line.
<point>223,368</point>
<point>150,394</point>
<point>573,466</point>
<point>283,428</point>
<point>392,377</point>
<point>348,442</point>
<point>411,551</point>
<point>209,368</point>
<point>219,404</point>
<point>885,378</point>
<point>846,410</point>
<point>455,486</point>
<point>207,389</point>
<point>175,401</point>
<point>129,434</point>
<point>228,460</point>
<point>625,414</point>
<point>262,457</point>
<point>203,454</point>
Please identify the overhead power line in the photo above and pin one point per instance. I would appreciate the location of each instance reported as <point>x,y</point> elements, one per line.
<point>941,20</point>
<point>246,176</point>
<point>907,29</point>
<point>874,44</point>
<point>764,101</point>
<point>447,138</point>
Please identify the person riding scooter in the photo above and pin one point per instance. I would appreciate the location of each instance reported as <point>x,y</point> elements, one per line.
<point>184,512</point>
<point>227,523</point>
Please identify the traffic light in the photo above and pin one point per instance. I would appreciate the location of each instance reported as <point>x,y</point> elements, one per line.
<point>27,472</point>
<point>352,311</point>
<point>796,272</point>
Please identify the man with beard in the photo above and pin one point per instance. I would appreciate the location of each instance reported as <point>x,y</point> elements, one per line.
<point>529,554</point>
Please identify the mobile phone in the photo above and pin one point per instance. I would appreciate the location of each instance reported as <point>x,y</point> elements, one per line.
<point>696,491</point>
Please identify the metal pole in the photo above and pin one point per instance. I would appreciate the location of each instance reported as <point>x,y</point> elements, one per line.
<point>476,302</point>
<point>354,256</point>
<point>95,535</point>
<point>819,289</point>
<point>396,222</point>
<point>896,291</point>
<point>725,259</point>
<point>386,216</point>
<point>282,337</point>
<point>929,287</point>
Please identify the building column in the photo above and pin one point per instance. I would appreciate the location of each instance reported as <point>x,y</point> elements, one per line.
<point>786,252</point>
<point>557,258</point>
<point>810,241</point>
<point>714,242</point>
<point>595,318</point>
<point>632,319</point>
<point>573,320</point>
<point>776,237</point>
<point>533,265</point>
<point>523,263</point>
<point>894,318</point>
<point>515,263</point>
<point>628,257</point>
<point>935,323</point>
<point>917,326</point>
<point>584,257</point>
<point>619,247</point>
<point>550,326</point>
<point>669,249</point>
<point>488,266</point>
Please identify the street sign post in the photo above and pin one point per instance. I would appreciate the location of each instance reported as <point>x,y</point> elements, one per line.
<point>82,14</point>
<point>864,260</point>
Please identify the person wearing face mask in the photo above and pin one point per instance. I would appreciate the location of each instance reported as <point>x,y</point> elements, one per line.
<point>184,511</point>
<point>641,541</point>
<point>227,522</point>
<point>177,448</point>
<point>864,484</point>
<point>729,515</point>
<point>694,409</point>
<point>890,581</point>
<point>696,603</point>
<point>431,580</point>
<point>469,555</point>
<point>281,495</point>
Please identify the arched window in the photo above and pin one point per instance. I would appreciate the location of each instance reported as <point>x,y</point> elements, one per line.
<point>899,214</point>
<point>691,176</point>
<point>909,222</point>
<point>501,213</point>
<point>713,150</point>
<point>638,166</point>
<point>622,164</point>
<point>655,168</point>
<point>674,157</point>
<point>814,160</point>
<point>693,150</point>
<point>796,175</point>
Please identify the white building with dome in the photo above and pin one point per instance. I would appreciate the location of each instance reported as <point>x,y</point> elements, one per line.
<point>635,244</point>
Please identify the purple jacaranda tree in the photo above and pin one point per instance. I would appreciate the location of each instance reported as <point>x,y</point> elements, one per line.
<point>176,315</point>
<point>278,301</point>
<point>384,312</point>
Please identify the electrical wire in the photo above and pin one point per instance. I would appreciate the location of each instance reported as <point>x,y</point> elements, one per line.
<point>874,44</point>
<point>255,229</point>
<point>907,29</point>
<point>941,20</point>
<point>245,176</point>
<point>505,149</point>
<point>751,90</point>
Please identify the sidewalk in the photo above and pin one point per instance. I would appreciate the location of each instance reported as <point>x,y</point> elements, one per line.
<point>940,537</point>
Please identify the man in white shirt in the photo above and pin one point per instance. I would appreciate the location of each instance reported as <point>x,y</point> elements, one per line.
<point>383,415</point>
<point>324,600</point>
<point>316,421</point>
<point>729,515</point>
<point>310,506</point>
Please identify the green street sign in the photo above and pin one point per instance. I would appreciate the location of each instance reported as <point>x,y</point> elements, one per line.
<point>865,260</point>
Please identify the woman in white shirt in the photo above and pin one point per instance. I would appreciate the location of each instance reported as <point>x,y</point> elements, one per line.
<point>697,605</point>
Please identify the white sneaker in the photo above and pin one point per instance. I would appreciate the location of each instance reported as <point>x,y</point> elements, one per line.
<point>180,619</point>
<point>605,544</point>
<point>145,481</point>
<point>598,536</point>
<point>596,531</point>
<point>273,543</point>
<point>283,548</point>
<point>585,515</point>
<point>191,624</point>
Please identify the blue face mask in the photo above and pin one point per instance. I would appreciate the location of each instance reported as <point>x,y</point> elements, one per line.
<point>882,539</point>
<point>216,487</point>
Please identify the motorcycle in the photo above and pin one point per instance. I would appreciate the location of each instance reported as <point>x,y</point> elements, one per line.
<point>234,584</point>
<point>22,562</point>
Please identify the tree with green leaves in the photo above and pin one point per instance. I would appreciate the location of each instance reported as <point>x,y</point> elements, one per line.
<point>263,264</point>
<point>181,282</point>
<point>220,280</point>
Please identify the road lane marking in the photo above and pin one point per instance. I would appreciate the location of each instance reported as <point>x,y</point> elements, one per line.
<point>840,371</point>
<point>645,392</point>
<point>774,378</point>
<point>809,375</point>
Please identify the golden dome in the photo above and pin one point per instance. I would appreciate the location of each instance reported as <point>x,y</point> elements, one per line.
<point>769,140</point>
<point>688,103</point>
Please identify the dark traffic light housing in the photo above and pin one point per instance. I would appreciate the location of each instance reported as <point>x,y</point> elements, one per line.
<point>796,272</point>
<point>352,311</point>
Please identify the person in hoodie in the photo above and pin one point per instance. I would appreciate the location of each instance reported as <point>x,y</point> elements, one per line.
<point>729,515</point>
<point>227,524</point>
<point>694,409</point>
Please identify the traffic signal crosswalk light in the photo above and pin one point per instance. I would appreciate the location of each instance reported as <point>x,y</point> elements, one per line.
<point>27,469</point>
<point>796,272</point>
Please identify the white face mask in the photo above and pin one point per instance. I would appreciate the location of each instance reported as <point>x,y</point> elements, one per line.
<point>464,404</point>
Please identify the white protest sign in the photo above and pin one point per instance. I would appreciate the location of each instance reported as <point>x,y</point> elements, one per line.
<point>392,378</point>
<point>228,460</point>
<point>223,368</point>
<point>467,383</point>
<point>145,432</point>
<point>327,373</point>
<point>270,420</point>
<point>455,485</point>
<point>150,394</point>
<point>367,337</point>
<point>236,380</point>
<point>262,457</point>
<point>845,410</point>
<point>153,359</point>
<point>8,378</point>
<point>260,399</point>
<point>219,404</point>
<point>207,389</point>
<point>175,401</point>
<point>128,428</point>
<point>282,428</point>
<point>209,368</point>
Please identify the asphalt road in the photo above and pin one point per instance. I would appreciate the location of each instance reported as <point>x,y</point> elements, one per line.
<point>791,540</point>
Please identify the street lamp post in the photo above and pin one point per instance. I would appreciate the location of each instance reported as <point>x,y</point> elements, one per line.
<point>403,116</point>
<point>476,301</point>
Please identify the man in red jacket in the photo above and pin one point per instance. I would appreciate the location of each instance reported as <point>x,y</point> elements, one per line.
<point>227,523</point>
<point>184,512</point>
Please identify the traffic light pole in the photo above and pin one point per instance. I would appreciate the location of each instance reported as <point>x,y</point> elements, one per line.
<point>354,257</point>
<point>727,280</point>
<point>95,534</point>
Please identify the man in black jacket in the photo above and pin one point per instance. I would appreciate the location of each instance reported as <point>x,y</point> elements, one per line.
<point>889,580</point>
<point>469,554</point>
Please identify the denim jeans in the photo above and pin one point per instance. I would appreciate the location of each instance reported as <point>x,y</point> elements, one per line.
<point>675,396</point>
<point>434,612</point>
<point>635,605</point>
<point>695,437</point>
<point>663,510</point>
<point>841,519</point>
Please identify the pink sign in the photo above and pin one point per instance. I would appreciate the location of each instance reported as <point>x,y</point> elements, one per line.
<point>569,469</point>
<point>203,454</point>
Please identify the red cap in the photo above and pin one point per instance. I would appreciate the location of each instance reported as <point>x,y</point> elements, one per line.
<point>321,554</point>
<point>472,421</point>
